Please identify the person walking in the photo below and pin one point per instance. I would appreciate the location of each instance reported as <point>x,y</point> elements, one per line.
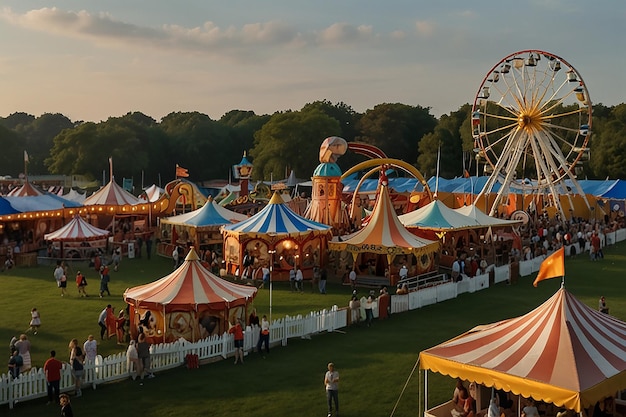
<point>264,336</point>
<point>132,360</point>
<point>355,309</point>
<point>23,347</point>
<point>104,280</point>
<point>322,283</point>
<point>331,382</point>
<point>237,331</point>
<point>81,283</point>
<point>52,369</point>
<point>60,278</point>
<point>299,280</point>
<point>90,348</point>
<point>102,321</point>
<point>77,360</point>
<point>143,354</point>
<point>35,321</point>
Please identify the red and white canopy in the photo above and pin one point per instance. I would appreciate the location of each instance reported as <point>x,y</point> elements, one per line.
<point>384,234</point>
<point>112,195</point>
<point>563,352</point>
<point>77,230</point>
<point>188,287</point>
<point>26,190</point>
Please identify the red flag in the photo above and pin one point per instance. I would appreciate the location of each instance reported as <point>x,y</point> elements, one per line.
<point>181,172</point>
<point>466,173</point>
<point>551,267</point>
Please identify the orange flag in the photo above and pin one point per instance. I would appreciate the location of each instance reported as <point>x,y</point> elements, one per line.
<point>181,172</point>
<point>551,267</point>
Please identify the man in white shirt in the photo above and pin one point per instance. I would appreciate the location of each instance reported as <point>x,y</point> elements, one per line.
<point>404,272</point>
<point>299,279</point>
<point>352,277</point>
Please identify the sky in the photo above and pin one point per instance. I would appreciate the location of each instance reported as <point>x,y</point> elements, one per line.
<point>91,60</point>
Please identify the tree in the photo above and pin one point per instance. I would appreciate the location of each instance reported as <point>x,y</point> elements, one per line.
<point>396,129</point>
<point>291,140</point>
<point>608,145</point>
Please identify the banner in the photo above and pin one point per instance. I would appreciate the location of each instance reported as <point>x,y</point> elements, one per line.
<point>181,172</point>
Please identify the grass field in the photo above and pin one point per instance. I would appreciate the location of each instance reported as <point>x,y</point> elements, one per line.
<point>374,363</point>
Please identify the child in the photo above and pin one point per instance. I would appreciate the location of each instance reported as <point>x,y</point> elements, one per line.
<point>66,407</point>
<point>35,321</point>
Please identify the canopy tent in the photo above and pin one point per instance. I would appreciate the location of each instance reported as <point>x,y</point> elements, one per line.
<point>384,233</point>
<point>563,352</point>
<point>78,239</point>
<point>483,219</point>
<point>152,193</point>
<point>297,241</point>
<point>112,195</point>
<point>190,302</point>
<point>41,202</point>
<point>437,216</point>
<point>6,207</point>
<point>75,196</point>
<point>202,225</point>
<point>26,190</point>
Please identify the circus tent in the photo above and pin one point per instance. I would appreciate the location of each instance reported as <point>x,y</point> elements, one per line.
<point>26,190</point>
<point>563,352</point>
<point>152,193</point>
<point>296,241</point>
<point>190,302</point>
<point>201,226</point>
<point>437,216</point>
<point>112,195</point>
<point>384,238</point>
<point>483,219</point>
<point>41,202</point>
<point>78,238</point>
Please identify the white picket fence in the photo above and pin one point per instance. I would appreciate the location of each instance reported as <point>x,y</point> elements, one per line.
<point>32,384</point>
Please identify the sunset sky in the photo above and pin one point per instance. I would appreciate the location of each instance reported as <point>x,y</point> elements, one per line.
<point>90,60</point>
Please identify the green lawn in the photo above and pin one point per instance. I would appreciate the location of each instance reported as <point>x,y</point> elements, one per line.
<point>374,363</point>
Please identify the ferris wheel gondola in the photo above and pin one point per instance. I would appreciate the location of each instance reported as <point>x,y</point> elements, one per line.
<point>531,123</point>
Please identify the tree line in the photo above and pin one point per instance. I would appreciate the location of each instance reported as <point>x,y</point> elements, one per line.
<point>276,144</point>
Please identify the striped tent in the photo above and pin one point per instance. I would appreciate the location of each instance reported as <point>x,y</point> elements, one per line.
<point>26,190</point>
<point>563,352</point>
<point>384,234</point>
<point>180,298</point>
<point>77,230</point>
<point>277,219</point>
<point>208,216</point>
<point>112,195</point>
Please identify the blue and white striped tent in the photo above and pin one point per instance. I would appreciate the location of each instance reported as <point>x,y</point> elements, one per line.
<point>276,219</point>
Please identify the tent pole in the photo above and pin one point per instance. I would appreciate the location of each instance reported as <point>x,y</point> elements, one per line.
<point>425,390</point>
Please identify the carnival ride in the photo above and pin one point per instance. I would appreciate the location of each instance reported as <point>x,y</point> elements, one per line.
<point>531,122</point>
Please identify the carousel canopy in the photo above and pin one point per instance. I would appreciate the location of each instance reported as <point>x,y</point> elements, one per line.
<point>276,218</point>
<point>484,219</point>
<point>437,216</point>
<point>383,233</point>
<point>189,286</point>
<point>77,230</point>
<point>112,195</point>
<point>209,215</point>
<point>563,352</point>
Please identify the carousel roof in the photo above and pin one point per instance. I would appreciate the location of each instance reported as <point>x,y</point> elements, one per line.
<point>278,219</point>
<point>112,195</point>
<point>437,216</point>
<point>76,230</point>
<point>6,207</point>
<point>189,286</point>
<point>211,214</point>
<point>563,352</point>
<point>383,233</point>
<point>40,203</point>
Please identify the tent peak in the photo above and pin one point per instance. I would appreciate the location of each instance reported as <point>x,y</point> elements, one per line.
<point>276,199</point>
<point>192,255</point>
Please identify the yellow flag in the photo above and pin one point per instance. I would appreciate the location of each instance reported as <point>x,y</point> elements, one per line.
<point>551,267</point>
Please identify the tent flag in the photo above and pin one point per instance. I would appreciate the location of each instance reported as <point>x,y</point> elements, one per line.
<point>551,267</point>
<point>25,156</point>
<point>181,172</point>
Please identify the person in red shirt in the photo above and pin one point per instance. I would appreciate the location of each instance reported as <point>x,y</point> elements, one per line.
<point>52,368</point>
<point>237,330</point>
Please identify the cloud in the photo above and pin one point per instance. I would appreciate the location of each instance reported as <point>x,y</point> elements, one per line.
<point>424,27</point>
<point>104,30</point>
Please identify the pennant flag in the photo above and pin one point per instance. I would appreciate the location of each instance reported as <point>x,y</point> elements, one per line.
<point>551,267</point>
<point>181,172</point>
<point>25,156</point>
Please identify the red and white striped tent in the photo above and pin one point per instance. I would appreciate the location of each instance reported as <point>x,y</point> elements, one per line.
<point>384,234</point>
<point>112,195</point>
<point>563,353</point>
<point>190,302</point>
<point>78,238</point>
<point>26,190</point>
<point>77,230</point>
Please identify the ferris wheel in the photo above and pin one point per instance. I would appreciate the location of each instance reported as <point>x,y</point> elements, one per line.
<point>531,124</point>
